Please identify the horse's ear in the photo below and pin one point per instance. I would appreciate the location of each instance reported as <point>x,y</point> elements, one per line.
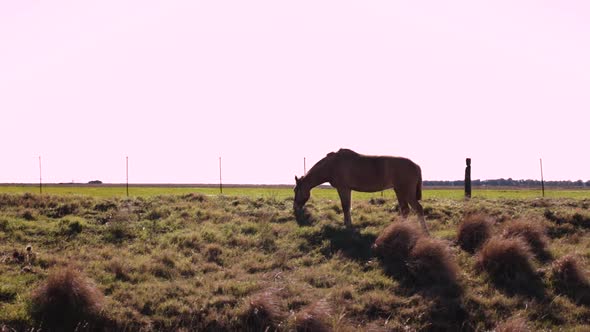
<point>296,179</point>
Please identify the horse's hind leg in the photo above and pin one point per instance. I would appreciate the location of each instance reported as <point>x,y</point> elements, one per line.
<point>345,198</point>
<point>404,209</point>
<point>420,211</point>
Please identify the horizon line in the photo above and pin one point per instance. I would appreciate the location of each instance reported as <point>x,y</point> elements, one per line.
<point>269,185</point>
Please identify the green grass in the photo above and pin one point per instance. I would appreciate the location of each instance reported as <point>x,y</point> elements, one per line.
<point>281,193</point>
<point>195,262</point>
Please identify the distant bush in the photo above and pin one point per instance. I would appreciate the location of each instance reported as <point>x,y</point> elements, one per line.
<point>508,263</point>
<point>95,182</point>
<point>65,300</point>
<point>473,231</point>
<point>568,277</point>
<point>532,233</point>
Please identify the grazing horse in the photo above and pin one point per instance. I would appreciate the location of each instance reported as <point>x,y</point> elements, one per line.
<point>347,170</point>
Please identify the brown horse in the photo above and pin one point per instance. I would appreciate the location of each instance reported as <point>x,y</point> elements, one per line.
<point>347,170</point>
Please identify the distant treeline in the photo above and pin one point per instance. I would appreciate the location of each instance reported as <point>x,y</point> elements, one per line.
<point>509,183</point>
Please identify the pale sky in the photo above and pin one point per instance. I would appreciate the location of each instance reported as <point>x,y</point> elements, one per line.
<point>174,85</point>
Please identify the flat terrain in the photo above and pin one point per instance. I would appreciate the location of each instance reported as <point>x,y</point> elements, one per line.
<point>279,192</point>
<point>187,258</point>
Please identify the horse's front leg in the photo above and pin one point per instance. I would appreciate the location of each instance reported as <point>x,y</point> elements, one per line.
<point>420,211</point>
<point>345,197</point>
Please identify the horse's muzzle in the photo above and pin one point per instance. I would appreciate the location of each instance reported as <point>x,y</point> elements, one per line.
<point>298,209</point>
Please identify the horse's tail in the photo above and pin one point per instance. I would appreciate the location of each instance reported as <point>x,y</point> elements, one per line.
<point>419,185</point>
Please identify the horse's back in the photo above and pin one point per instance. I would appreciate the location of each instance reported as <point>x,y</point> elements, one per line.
<point>373,173</point>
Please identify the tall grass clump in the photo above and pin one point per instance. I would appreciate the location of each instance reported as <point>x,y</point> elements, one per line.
<point>508,262</point>
<point>568,277</point>
<point>431,264</point>
<point>473,231</point>
<point>120,269</point>
<point>314,318</point>
<point>395,243</point>
<point>65,300</point>
<point>262,312</point>
<point>29,215</point>
<point>117,231</point>
<point>514,324</point>
<point>532,233</point>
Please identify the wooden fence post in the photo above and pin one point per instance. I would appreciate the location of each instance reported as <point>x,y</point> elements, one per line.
<point>220,183</point>
<point>40,178</point>
<point>542,182</point>
<point>468,178</point>
<point>127,174</point>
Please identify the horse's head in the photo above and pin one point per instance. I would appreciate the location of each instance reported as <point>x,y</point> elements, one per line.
<point>301,194</point>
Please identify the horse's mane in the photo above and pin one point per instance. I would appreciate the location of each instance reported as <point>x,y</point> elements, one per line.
<point>329,157</point>
<point>346,152</point>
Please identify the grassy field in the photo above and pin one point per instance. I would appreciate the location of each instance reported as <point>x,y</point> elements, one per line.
<point>196,260</point>
<point>281,193</point>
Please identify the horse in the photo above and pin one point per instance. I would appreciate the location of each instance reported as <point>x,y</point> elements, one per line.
<point>347,170</point>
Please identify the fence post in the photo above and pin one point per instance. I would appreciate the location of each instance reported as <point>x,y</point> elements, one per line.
<point>304,167</point>
<point>127,174</point>
<point>220,185</point>
<point>542,182</point>
<point>40,178</point>
<point>468,178</point>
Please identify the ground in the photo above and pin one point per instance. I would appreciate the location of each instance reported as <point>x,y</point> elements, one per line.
<point>203,262</point>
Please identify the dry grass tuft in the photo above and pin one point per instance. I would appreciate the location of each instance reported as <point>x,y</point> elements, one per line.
<point>474,231</point>
<point>395,243</point>
<point>531,232</point>
<point>431,264</point>
<point>213,253</point>
<point>66,299</point>
<point>315,317</point>
<point>120,269</point>
<point>262,312</point>
<point>514,324</point>
<point>447,314</point>
<point>29,215</point>
<point>508,262</point>
<point>569,278</point>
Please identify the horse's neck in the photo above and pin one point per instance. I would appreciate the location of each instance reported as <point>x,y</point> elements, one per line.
<point>318,174</point>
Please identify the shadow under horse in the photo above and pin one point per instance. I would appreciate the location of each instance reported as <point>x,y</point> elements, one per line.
<point>347,170</point>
